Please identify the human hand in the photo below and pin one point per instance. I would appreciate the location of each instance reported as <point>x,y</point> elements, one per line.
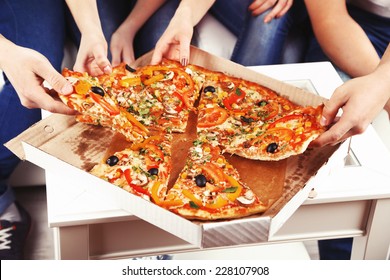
<point>27,69</point>
<point>280,7</point>
<point>175,41</point>
<point>361,99</point>
<point>92,55</point>
<point>121,46</point>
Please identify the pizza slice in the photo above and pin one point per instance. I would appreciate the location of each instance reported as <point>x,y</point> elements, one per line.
<point>284,137</point>
<point>209,188</point>
<point>252,121</point>
<point>142,168</point>
<point>96,106</point>
<point>171,85</point>
<point>126,88</point>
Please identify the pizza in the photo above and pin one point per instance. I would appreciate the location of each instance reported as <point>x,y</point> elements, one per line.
<point>142,169</point>
<point>253,121</point>
<point>209,188</point>
<point>150,105</point>
<point>285,136</point>
<point>97,106</point>
<point>156,97</point>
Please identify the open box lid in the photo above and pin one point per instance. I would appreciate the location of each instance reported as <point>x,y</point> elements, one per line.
<point>60,144</point>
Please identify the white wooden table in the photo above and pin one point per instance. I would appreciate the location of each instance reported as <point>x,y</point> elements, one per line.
<point>352,200</point>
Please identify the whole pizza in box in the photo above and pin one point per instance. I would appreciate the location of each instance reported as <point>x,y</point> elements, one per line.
<point>223,127</point>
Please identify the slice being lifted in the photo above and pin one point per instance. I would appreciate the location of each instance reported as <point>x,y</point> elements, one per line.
<point>150,97</point>
<point>96,106</point>
<point>209,188</point>
<point>284,137</point>
<point>252,121</point>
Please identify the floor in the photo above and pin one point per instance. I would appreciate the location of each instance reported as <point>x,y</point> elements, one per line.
<point>40,241</point>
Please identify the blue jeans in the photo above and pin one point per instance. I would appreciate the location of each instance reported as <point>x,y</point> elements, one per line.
<point>39,25</point>
<point>260,43</point>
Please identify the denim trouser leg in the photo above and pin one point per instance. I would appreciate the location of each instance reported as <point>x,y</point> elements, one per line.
<point>258,43</point>
<point>39,25</point>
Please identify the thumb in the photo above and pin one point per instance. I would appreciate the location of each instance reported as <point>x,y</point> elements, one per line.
<point>157,56</point>
<point>56,80</point>
<point>101,59</point>
<point>332,107</point>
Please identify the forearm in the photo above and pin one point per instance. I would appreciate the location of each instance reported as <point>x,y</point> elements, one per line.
<point>86,16</point>
<point>6,48</point>
<point>383,70</point>
<point>4,43</point>
<point>341,38</point>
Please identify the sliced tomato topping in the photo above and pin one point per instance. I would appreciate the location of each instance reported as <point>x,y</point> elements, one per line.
<point>235,97</point>
<point>209,117</point>
<point>267,111</point>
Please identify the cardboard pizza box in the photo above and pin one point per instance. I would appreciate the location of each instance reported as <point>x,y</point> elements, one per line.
<point>60,144</point>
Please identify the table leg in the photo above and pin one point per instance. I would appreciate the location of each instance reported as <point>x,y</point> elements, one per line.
<point>375,244</point>
<point>72,243</point>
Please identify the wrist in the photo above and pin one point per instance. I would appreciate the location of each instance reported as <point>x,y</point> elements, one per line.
<point>5,46</point>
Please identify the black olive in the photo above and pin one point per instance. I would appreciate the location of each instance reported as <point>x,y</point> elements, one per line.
<point>209,89</point>
<point>128,68</point>
<point>97,90</point>
<point>200,180</point>
<point>153,171</point>
<point>247,120</point>
<point>271,148</point>
<point>262,103</point>
<point>112,160</point>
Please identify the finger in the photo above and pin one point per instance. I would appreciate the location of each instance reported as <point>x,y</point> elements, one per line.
<point>54,79</point>
<point>40,99</point>
<point>185,42</point>
<point>276,10</point>
<point>284,10</point>
<point>280,9</point>
<point>328,140</point>
<point>128,56</point>
<point>335,134</point>
<point>116,54</point>
<point>101,60</point>
<point>158,53</point>
<point>332,107</point>
<point>79,63</point>
<point>259,7</point>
